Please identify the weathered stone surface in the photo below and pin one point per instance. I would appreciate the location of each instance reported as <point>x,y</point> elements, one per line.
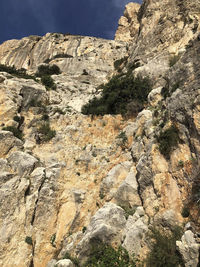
<point>22,163</point>
<point>127,192</point>
<point>8,143</point>
<point>136,227</point>
<point>115,176</point>
<point>106,226</point>
<point>128,25</point>
<point>189,249</point>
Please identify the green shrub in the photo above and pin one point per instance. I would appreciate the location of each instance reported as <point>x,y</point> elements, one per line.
<point>103,255</point>
<point>163,251</point>
<point>117,94</point>
<point>168,140</point>
<point>48,82</point>
<point>46,133</point>
<point>16,132</point>
<point>19,73</point>
<point>119,62</point>
<point>29,240</point>
<point>45,117</point>
<point>167,91</point>
<point>58,56</point>
<point>185,212</point>
<point>35,103</point>
<point>84,229</point>
<point>17,118</point>
<point>133,108</point>
<point>181,164</point>
<point>52,239</point>
<point>59,110</point>
<point>44,70</point>
<point>123,139</point>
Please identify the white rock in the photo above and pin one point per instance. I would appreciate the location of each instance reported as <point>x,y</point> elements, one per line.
<point>155,96</point>
<point>64,263</point>
<point>189,249</point>
<point>105,226</point>
<point>135,230</point>
<point>22,162</point>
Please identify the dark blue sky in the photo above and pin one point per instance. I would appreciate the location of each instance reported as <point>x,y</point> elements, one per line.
<point>21,18</point>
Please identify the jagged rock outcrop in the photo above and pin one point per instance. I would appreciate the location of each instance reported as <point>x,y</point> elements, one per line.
<point>128,25</point>
<point>60,194</point>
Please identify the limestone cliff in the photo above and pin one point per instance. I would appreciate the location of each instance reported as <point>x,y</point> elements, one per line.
<point>61,191</point>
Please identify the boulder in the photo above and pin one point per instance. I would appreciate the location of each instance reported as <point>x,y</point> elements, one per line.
<point>189,249</point>
<point>127,193</point>
<point>135,230</point>
<point>64,263</point>
<point>8,142</point>
<point>22,163</point>
<point>106,226</point>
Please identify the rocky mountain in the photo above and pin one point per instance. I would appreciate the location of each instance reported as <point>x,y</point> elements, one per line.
<point>71,181</point>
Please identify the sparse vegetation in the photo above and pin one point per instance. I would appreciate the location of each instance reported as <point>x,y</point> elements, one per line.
<point>35,103</point>
<point>52,240</point>
<point>29,240</point>
<point>16,132</point>
<point>123,140</point>
<point>180,164</point>
<point>84,229</point>
<point>168,140</point>
<point>129,211</point>
<point>45,70</point>
<point>17,118</point>
<point>117,94</point>
<point>45,132</point>
<point>163,251</point>
<point>19,73</point>
<point>101,195</point>
<point>57,56</point>
<point>167,91</point>
<point>103,255</point>
<point>185,212</point>
<point>59,110</point>
<point>73,259</point>
<point>48,82</point>
<point>118,63</point>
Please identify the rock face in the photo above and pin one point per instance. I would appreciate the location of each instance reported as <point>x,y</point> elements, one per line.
<point>128,25</point>
<point>62,191</point>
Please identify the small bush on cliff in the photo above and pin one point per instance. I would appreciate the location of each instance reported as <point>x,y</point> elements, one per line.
<point>19,73</point>
<point>44,70</point>
<point>103,255</point>
<point>45,133</point>
<point>117,94</point>
<point>48,82</point>
<point>29,240</point>
<point>163,252</point>
<point>168,139</point>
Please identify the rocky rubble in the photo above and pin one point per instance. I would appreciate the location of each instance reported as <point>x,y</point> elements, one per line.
<point>60,196</point>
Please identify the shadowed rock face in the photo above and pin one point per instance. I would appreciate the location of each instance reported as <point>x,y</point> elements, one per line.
<point>82,186</point>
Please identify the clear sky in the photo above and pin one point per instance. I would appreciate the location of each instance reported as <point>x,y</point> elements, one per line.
<point>21,18</point>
